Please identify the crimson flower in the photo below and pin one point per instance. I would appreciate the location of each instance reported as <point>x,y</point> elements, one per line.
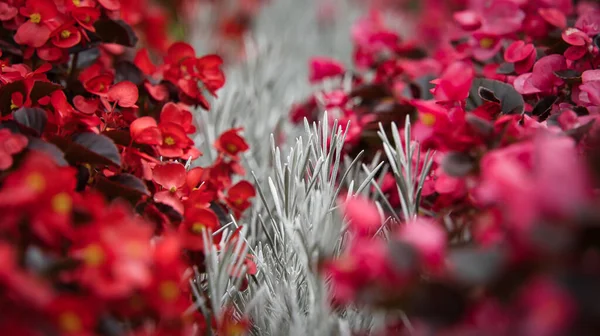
<point>177,114</point>
<point>210,73</point>
<point>124,93</point>
<point>145,130</point>
<point>238,196</point>
<point>86,16</point>
<point>66,36</point>
<point>73,316</point>
<point>174,140</point>
<point>36,31</point>
<point>231,143</point>
<point>197,220</point>
<point>171,177</point>
<point>37,176</point>
<point>324,67</point>
<point>10,144</point>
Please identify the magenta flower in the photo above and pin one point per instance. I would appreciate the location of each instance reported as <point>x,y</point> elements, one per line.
<point>590,88</point>
<point>543,76</point>
<point>429,240</point>
<point>455,82</point>
<point>522,55</point>
<point>324,67</point>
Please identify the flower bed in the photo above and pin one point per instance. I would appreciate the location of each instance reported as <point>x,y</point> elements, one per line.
<point>482,218</point>
<point>101,212</point>
<point>493,186</point>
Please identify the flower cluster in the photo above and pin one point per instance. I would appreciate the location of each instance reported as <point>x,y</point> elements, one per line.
<point>104,224</point>
<point>508,99</point>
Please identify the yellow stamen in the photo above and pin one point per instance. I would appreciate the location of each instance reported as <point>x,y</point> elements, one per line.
<point>70,323</point>
<point>35,18</point>
<point>169,141</point>
<point>65,34</point>
<point>94,255</point>
<point>62,203</point>
<point>231,148</point>
<point>427,119</point>
<point>486,43</point>
<point>169,290</point>
<point>198,227</point>
<point>36,182</point>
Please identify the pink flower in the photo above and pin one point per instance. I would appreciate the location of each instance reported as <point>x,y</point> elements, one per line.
<point>324,67</point>
<point>363,216</point>
<point>548,309</point>
<point>543,77</point>
<point>589,22</point>
<point>429,240</point>
<point>589,90</point>
<point>522,55</point>
<point>485,45</point>
<point>554,17</point>
<point>455,82</point>
<point>500,17</point>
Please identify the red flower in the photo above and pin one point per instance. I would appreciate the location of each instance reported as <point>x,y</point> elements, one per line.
<point>10,144</point>
<point>178,52</point>
<point>173,113</point>
<point>324,67</point>
<point>73,315</point>
<point>210,73</point>
<point>171,177</point>
<point>145,130</point>
<point>238,196</point>
<point>124,93</point>
<point>37,176</point>
<point>7,12</point>
<point>166,295</point>
<point>98,85</point>
<point>143,62</point>
<point>231,143</point>
<point>113,250</point>
<point>86,16</point>
<point>174,140</point>
<point>25,288</point>
<point>231,326</point>
<point>36,31</point>
<point>66,36</point>
<point>196,222</point>
<point>111,5</point>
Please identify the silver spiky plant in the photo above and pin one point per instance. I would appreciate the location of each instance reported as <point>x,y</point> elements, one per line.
<point>294,224</point>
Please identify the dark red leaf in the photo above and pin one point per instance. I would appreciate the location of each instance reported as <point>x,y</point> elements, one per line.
<point>115,31</point>
<point>33,118</point>
<point>126,186</point>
